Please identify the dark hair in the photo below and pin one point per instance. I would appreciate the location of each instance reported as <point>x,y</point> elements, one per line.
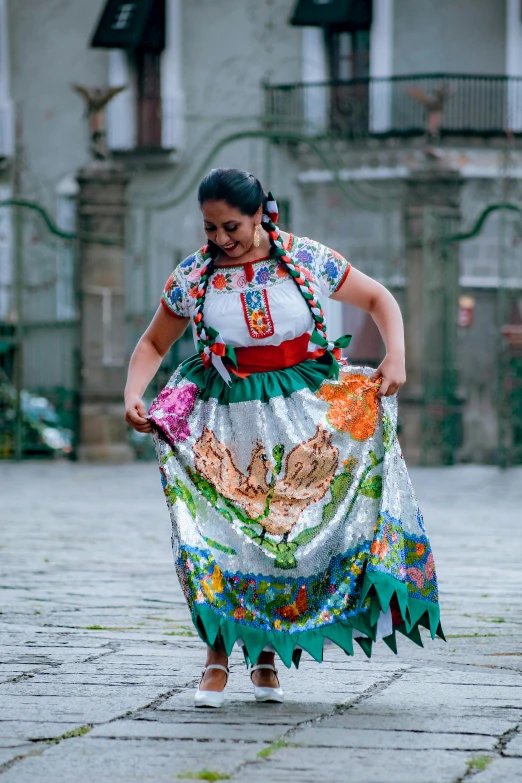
<point>238,188</point>
<point>244,192</point>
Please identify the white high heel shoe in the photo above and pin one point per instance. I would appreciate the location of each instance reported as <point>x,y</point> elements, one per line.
<point>210,698</point>
<point>267,694</point>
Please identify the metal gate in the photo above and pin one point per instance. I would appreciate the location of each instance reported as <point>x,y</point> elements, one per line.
<point>441,414</point>
<point>509,323</point>
<point>38,333</point>
<point>494,359</point>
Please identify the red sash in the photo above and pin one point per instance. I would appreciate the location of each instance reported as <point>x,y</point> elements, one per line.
<point>264,358</point>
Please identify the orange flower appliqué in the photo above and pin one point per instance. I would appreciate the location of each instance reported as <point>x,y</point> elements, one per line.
<point>219,282</point>
<point>259,321</point>
<point>354,406</point>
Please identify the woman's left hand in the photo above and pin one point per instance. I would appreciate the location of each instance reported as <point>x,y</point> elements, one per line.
<point>392,372</point>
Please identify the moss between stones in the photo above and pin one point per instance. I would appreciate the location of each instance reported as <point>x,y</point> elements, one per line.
<point>274,746</point>
<point>79,732</point>
<point>204,774</point>
<point>479,763</point>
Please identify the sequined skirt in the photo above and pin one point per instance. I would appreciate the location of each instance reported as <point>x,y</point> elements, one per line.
<point>293,516</point>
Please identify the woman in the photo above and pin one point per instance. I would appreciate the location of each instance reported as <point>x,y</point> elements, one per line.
<point>294,521</point>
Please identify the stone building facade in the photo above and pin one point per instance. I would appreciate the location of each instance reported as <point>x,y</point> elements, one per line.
<point>322,99</point>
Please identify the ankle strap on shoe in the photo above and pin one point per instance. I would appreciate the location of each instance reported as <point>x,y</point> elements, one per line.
<point>216,666</point>
<point>262,666</point>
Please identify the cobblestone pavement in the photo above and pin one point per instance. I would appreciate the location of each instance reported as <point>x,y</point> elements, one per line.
<point>99,659</point>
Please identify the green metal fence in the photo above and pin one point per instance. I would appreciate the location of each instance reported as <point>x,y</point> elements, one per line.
<point>38,335</point>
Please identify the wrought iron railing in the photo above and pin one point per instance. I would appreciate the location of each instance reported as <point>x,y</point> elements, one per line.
<point>400,105</point>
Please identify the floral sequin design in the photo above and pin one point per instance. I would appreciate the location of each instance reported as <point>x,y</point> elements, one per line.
<point>257,314</point>
<point>170,410</point>
<point>276,604</point>
<point>407,557</point>
<point>274,503</point>
<point>353,405</point>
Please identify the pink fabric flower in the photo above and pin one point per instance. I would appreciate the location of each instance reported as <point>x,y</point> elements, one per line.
<point>194,275</point>
<point>170,410</point>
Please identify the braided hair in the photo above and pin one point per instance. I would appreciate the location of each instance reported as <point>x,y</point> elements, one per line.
<point>242,190</point>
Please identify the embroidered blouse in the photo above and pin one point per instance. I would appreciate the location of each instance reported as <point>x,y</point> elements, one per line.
<point>257,303</point>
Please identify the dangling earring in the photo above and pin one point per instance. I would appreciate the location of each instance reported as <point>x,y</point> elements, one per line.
<point>257,236</point>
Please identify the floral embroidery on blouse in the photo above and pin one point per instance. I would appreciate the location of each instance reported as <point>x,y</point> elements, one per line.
<point>257,314</point>
<point>219,281</point>
<point>263,275</point>
<point>322,266</point>
<point>304,257</point>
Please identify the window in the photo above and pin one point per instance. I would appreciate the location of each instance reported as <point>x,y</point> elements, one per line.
<point>349,54</point>
<point>148,103</point>
<point>349,62</point>
<point>137,30</point>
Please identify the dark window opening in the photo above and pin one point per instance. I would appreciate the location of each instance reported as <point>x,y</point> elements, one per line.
<point>149,109</point>
<point>139,28</point>
<point>349,63</point>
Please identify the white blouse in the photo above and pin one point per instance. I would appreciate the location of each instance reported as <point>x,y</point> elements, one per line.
<point>257,303</point>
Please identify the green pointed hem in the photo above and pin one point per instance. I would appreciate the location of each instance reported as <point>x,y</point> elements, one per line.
<point>262,386</point>
<point>379,587</point>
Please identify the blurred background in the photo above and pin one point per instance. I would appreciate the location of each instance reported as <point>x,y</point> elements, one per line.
<point>390,130</point>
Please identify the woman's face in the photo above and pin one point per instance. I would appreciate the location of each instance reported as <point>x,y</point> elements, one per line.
<point>228,228</point>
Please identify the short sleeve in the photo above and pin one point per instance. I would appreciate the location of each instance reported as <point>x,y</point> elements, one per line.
<point>331,269</point>
<point>174,297</point>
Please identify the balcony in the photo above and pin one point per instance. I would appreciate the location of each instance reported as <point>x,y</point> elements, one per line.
<point>452,104</point>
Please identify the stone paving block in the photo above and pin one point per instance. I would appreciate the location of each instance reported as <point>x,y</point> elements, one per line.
<point>501,770</point>
<point>241,712</point>
<point>11,753</point>
<point>113,568</point>
<point>189,730</point>
<point>326,736</point>
<point>27,730</point>
<point>514,747</point>
<point>367,717</point>
<point>85,759</point>
<point>307,765</point>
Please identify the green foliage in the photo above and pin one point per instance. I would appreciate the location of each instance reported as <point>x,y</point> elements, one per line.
<point>374,459</point>
<point>167,456</point>
<point>372,487</point>
<point>79,732</point>
<point>285,557</point>
<point>178,490</point>
<point>221,547</point>
<point>272,748</point>
<point>388,432</point>
<point>479,763</point>
<point>204,774</point>
<point>278,453</point>
<point>339,489</point>
<point>203,486</point>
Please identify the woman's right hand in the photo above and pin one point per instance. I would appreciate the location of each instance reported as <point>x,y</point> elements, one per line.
<point>136,414</point>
